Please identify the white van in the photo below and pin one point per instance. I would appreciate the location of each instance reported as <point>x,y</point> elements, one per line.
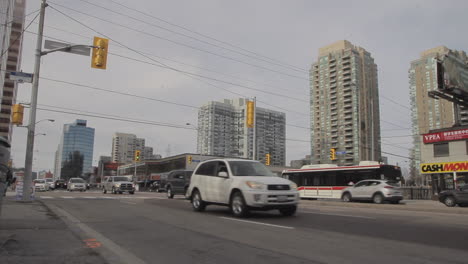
<point>242,185</point>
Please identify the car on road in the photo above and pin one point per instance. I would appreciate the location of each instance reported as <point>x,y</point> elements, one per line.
<point>51,183</point>
<point>76,184</point>
<point>60,184</point>
<point>377,191</point>
<point>453,197</point>
<point>177,182</point>
<point>41,185</point>
<point>243,185</point>
<point>118,184</point>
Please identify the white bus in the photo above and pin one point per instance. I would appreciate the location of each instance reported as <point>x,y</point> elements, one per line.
<point>328,180</point>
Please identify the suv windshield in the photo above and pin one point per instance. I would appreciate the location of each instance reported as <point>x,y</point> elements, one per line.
<point>40,181</point>
<point>49,180</point>
<point>120,179</point>
<point>249,168</point>
<point>76,181</point>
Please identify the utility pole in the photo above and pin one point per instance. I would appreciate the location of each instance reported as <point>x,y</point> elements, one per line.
<point>254,154</point>
<point>27,183</point>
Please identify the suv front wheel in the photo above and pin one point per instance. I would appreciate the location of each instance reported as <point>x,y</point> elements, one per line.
<point>197,203</point>
<point>170,194</point>
<point>238,205</point>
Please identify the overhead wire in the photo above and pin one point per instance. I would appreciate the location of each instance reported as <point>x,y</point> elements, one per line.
<point>16,39</point>
<point>172,41</point>
<point>190,37</point>
<point>202,35</point>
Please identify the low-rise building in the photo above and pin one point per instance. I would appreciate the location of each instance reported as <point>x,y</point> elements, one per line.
<point>444,156</point>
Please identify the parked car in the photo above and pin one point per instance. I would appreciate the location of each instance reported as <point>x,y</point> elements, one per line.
<point>377,191</point>
<point>243,185</point>
<point>51,183</point>
<point>76,184</point>
<point>453,197</point>
<point>41,185</point>
<point>177,182</point>
<point>60,184</point>
<point>118,184</point>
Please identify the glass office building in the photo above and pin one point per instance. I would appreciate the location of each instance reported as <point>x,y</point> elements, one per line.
<point>77,137</point>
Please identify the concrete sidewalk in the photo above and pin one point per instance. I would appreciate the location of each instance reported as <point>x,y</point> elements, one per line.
<point>406,205</point>
<point>31,233</point>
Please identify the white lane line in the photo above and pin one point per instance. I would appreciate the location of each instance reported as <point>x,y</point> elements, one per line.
<point>67,197</point>
<point>257,223</point>
<point>344,215</point>
<point>46,197</point>
<point>89,197</point>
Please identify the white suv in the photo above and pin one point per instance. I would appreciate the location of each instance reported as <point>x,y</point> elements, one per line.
<point>242,185</point>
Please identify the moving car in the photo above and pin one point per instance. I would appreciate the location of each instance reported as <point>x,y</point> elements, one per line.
<point>60,184</point>
<point>243,185</point>
<point>453,197</point>
<point>377,191</point>
<point>76,184</point>
<point>177,182</point>
<point>51,183</point>
<point>41,185</point>
<point>118,184</point>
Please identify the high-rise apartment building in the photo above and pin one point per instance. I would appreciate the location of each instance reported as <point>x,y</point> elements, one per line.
<point>11,42</point>
<point>76,148</point>
<point>344,105</point>
<point>222,131</point>
<point>428,113</point>
<point>124,147</point>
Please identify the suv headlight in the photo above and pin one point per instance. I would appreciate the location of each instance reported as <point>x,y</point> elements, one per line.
<point>293,186</point>
<point>255,185</point>
<point>117,185</point>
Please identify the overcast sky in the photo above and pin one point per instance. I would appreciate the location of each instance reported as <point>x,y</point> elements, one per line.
<point>286,34</point>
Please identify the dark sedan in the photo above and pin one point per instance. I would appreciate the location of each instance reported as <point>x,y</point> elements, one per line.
<point>453,197</point>
<point>60,184</point>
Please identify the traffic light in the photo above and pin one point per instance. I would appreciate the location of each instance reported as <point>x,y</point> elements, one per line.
<point>99,57</point>
<point>268,159</point>
<point>137,155</point>
<point>332,154</point>
<point>17,114</point>
<point>189,158</point>
<point>250,114</point>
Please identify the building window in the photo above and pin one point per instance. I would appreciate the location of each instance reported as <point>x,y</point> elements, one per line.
<point>441,150</point>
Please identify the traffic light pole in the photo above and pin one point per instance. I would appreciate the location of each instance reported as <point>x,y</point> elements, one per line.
<point>27,182</point>
<point>254,150</point>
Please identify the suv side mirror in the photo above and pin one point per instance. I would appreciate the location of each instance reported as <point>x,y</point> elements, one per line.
<point>223,174</point>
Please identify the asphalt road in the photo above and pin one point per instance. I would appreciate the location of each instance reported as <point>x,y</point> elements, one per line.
<point>148,228</point>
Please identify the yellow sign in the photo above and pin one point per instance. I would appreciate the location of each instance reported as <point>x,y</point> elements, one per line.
<point>250,114</point>
<point>99,57</point>
<point>444,167</point>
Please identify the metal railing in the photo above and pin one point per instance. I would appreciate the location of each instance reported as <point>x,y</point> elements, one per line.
<point>416,193</point>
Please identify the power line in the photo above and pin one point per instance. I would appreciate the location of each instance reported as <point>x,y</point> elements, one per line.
<point>191,37</point>
<point>17,17</point>
<point>169,40</point>
<point>203,35</point>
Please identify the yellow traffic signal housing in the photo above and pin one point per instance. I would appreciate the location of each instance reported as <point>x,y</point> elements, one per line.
<point>137,155</point>
<point>268,159</point>
<point>17,114</point>
<point>99,57</point>
<point>332,154</point>
<point>250,114</point>
<point>189,158</point>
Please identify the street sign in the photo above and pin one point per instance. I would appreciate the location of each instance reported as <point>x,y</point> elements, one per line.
<point>341,152</point>
<point>21,77</point>
<point>75,49</point>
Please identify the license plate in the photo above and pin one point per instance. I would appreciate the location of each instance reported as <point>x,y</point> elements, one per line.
<point>282,198</point>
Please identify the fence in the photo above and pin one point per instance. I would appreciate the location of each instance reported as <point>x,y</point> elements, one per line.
<point>417,193</point>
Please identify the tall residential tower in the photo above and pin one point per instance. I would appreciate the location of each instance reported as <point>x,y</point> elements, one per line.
<point>222,131</point>
<point>344,105</point>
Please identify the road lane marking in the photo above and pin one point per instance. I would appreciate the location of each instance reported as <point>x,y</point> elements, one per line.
<point>257,223</point>
<point>67,197</point>
<point>344,215</point>
<point>88,197</point>
<point>46,197</point>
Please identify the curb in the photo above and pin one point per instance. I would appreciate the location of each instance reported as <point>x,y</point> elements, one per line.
<point>390,207</point>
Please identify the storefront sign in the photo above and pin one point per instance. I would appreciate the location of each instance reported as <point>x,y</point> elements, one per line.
<point>445,136</point>
<point>444,167</point>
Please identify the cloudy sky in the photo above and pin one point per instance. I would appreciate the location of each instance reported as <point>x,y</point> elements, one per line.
<point>171,57</point>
